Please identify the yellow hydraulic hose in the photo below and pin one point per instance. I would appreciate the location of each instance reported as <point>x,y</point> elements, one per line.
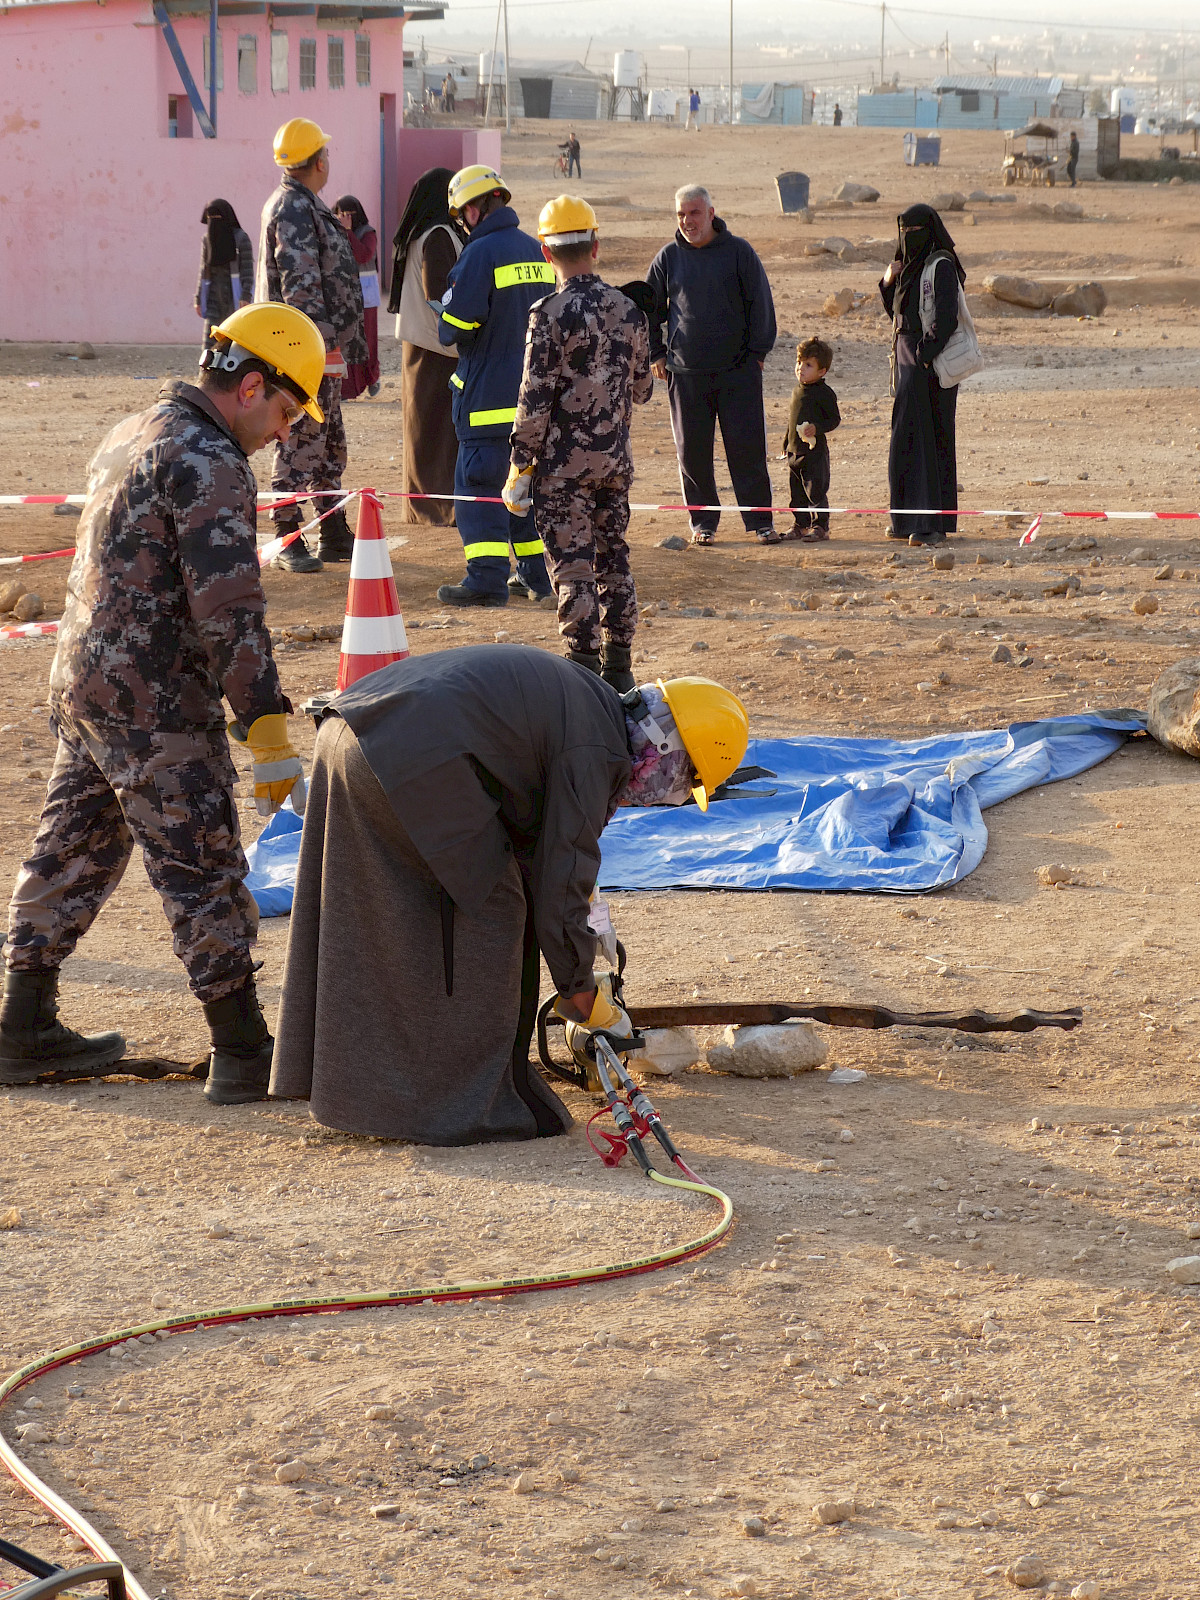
<point>494,1289</point>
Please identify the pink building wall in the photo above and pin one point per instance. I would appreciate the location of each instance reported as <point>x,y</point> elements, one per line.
<point>100,229</point>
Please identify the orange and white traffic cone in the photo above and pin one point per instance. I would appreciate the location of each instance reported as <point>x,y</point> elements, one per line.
<point>373,633</point>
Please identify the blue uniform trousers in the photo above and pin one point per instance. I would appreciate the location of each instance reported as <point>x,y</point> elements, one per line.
<point>487,530</point>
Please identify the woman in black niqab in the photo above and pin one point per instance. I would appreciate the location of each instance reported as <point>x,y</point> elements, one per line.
<point>428,207</point>
<point>922,458</point>
<point>226,279</point>
<point>220,242</point>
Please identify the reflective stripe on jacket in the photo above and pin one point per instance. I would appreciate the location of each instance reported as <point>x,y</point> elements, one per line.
<point>493,284</point>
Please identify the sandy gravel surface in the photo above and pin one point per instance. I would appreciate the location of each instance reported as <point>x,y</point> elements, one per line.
<point>945,1303</point>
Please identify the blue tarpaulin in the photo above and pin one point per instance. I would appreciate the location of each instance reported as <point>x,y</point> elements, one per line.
<point>876,815</point>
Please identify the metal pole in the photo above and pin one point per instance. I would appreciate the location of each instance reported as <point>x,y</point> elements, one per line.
<point>731,63</point>
<point>882,20</point>
<point>507,100</point>
<point>487,108</point>
<point>212,64</point>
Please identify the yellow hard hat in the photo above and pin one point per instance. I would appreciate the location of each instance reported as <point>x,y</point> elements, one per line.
<point>567,220</point>
<point>472,183</point>
<point>285,339</point>
<point>714,728</point>
<point>297,141</point>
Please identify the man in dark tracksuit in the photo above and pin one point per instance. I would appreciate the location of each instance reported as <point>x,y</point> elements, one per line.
<point>484,313</point>
<point>712,292</point>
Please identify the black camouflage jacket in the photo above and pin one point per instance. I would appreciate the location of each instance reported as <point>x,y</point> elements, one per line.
<point>165,608</point>
<point>305,260</point>
<point>587,363</point>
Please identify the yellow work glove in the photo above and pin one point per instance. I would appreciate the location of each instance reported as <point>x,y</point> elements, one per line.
<point>277,769</point>
<point>518,487</point>
<point>606,1015</point>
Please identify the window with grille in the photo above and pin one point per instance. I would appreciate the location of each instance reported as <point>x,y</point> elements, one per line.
<point>208,64</point>
<point>968,100</point>
<point>362,59</point>
<point>279,63</point>
<point>308,63</point>
<point>337,63</point>
<point>248,64</point>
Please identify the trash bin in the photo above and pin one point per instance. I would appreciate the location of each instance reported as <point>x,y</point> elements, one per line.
<point>922,150</point>
<point>793,191</point>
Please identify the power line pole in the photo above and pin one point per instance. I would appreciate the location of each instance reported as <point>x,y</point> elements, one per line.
<point>882,20</point>
<point>507,96</point>
<point>731,63</point>
<point>947,50</point>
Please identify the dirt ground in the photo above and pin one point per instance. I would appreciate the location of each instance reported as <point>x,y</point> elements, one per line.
<point>945,1299</point>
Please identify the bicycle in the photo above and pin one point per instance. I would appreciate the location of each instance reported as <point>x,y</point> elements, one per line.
<point>561,166</point>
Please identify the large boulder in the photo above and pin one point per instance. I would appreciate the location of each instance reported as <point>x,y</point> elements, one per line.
<point>837,305</point>
<point>855,192</point>
<point>1080,300</point>
<point>1173,716</point>
<point>952,201</point>
<point>768,1052</point>
<point>1025,292</point>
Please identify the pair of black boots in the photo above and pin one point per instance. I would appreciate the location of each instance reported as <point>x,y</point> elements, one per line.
<point>612,663</point>
<point>334,543</point>
<point>35,1044</point>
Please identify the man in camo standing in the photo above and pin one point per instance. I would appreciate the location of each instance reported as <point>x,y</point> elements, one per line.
<point>305,260</point>
<point>164,617</point>
<point>587,363</point>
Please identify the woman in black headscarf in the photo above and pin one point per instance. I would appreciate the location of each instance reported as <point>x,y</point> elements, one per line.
<point>922,469</point>
<point>226,266</point>
<point>426,246</point>
<point>362,376</point>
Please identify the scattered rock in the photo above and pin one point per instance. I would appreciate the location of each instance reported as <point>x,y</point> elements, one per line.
<point>75,1391</point>
<point>34,1433</point>
<point>84,351</point>
<point>754,1527</point>
<point>950,201</point>
<point>667,1051</point>
<point>289,1472</point>
<point>389,1509</point>
<point>160,1300</point>
<point>1037,1499</point>
<point>945,642</point>
<point>810,600</point>
<point>1060,583</point>
<point>666,1506</point>
<point>856,192</point>
<point>217,1229</point>
<point>1080,300</point>
<point>829,1512</point>
<point>1056,877</point>
<point>847,1075</point>
<point>1185,1269</point>
<point>29,607</point>
<point>68,511</point>
<point>837,305</point>
<point>745,1584</point>
<point>943,561</point>
<point>1001,655</point>
<point>569,1474</point>
<point>768,1052</point>
<point>524,1483</point>
<point>1026,1572</point>
<point>1192,1231</point>
<point>1165,571</point>
<point>10,1218</point>
<point>122,1407</point>
<point>1145,605</point>
<point>1089,1589</point>
<point>1082,541</point>
<point>841,654</point>
<point>381,1413</point>
<point>702,644</point>
<point>672,542</point>
<point>11,592</point>
<point>1014,291</point>
<point>1067,208</point>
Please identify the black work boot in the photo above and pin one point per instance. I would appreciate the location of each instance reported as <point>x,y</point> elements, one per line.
<point>239,1068</point>
<point>336,542</point>
<point>33,1041</point>
<point>585,658</point>
<point>460,594</point>
<point>615,659</point>
<point>295,557</point>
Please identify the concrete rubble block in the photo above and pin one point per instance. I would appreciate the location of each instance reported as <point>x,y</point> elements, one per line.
<point>855,192</point>
<point>837,305</point>
<point>1014,291</point>
<point>1173,715</point>
<point>952,200</point>
<point>781,1051</point>
<point>667,1051</point>
<point>1080,300</point>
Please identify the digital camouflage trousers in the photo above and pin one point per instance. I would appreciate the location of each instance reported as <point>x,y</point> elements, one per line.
<point>582,525</point>
<point>315,454</point>
<point>171,794</point>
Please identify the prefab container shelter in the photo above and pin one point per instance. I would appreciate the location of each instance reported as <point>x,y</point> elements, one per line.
<point>786,104</point>
<point>112,150</point>
<point>971,101</point>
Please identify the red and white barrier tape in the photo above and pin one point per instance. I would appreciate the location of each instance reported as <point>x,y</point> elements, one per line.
<point>29,630</point>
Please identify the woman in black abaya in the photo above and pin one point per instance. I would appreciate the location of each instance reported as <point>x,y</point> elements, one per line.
<point>922,469</point>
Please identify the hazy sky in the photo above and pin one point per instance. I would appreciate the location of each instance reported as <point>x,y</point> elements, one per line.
<point>770,21</point>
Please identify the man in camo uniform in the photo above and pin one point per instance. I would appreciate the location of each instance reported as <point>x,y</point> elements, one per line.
<point>305,260</point>
<point>587,363</point>
<point>164,615</point>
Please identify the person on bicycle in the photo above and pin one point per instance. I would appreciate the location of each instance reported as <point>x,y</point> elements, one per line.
<point>570,156</point>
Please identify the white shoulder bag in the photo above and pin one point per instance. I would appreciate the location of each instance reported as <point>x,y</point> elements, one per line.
<point>962,357</point>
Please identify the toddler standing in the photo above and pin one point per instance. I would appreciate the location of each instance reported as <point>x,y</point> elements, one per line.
<point>814,414</point>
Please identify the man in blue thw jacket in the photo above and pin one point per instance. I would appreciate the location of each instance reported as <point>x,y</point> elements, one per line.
<point>484,312</point>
